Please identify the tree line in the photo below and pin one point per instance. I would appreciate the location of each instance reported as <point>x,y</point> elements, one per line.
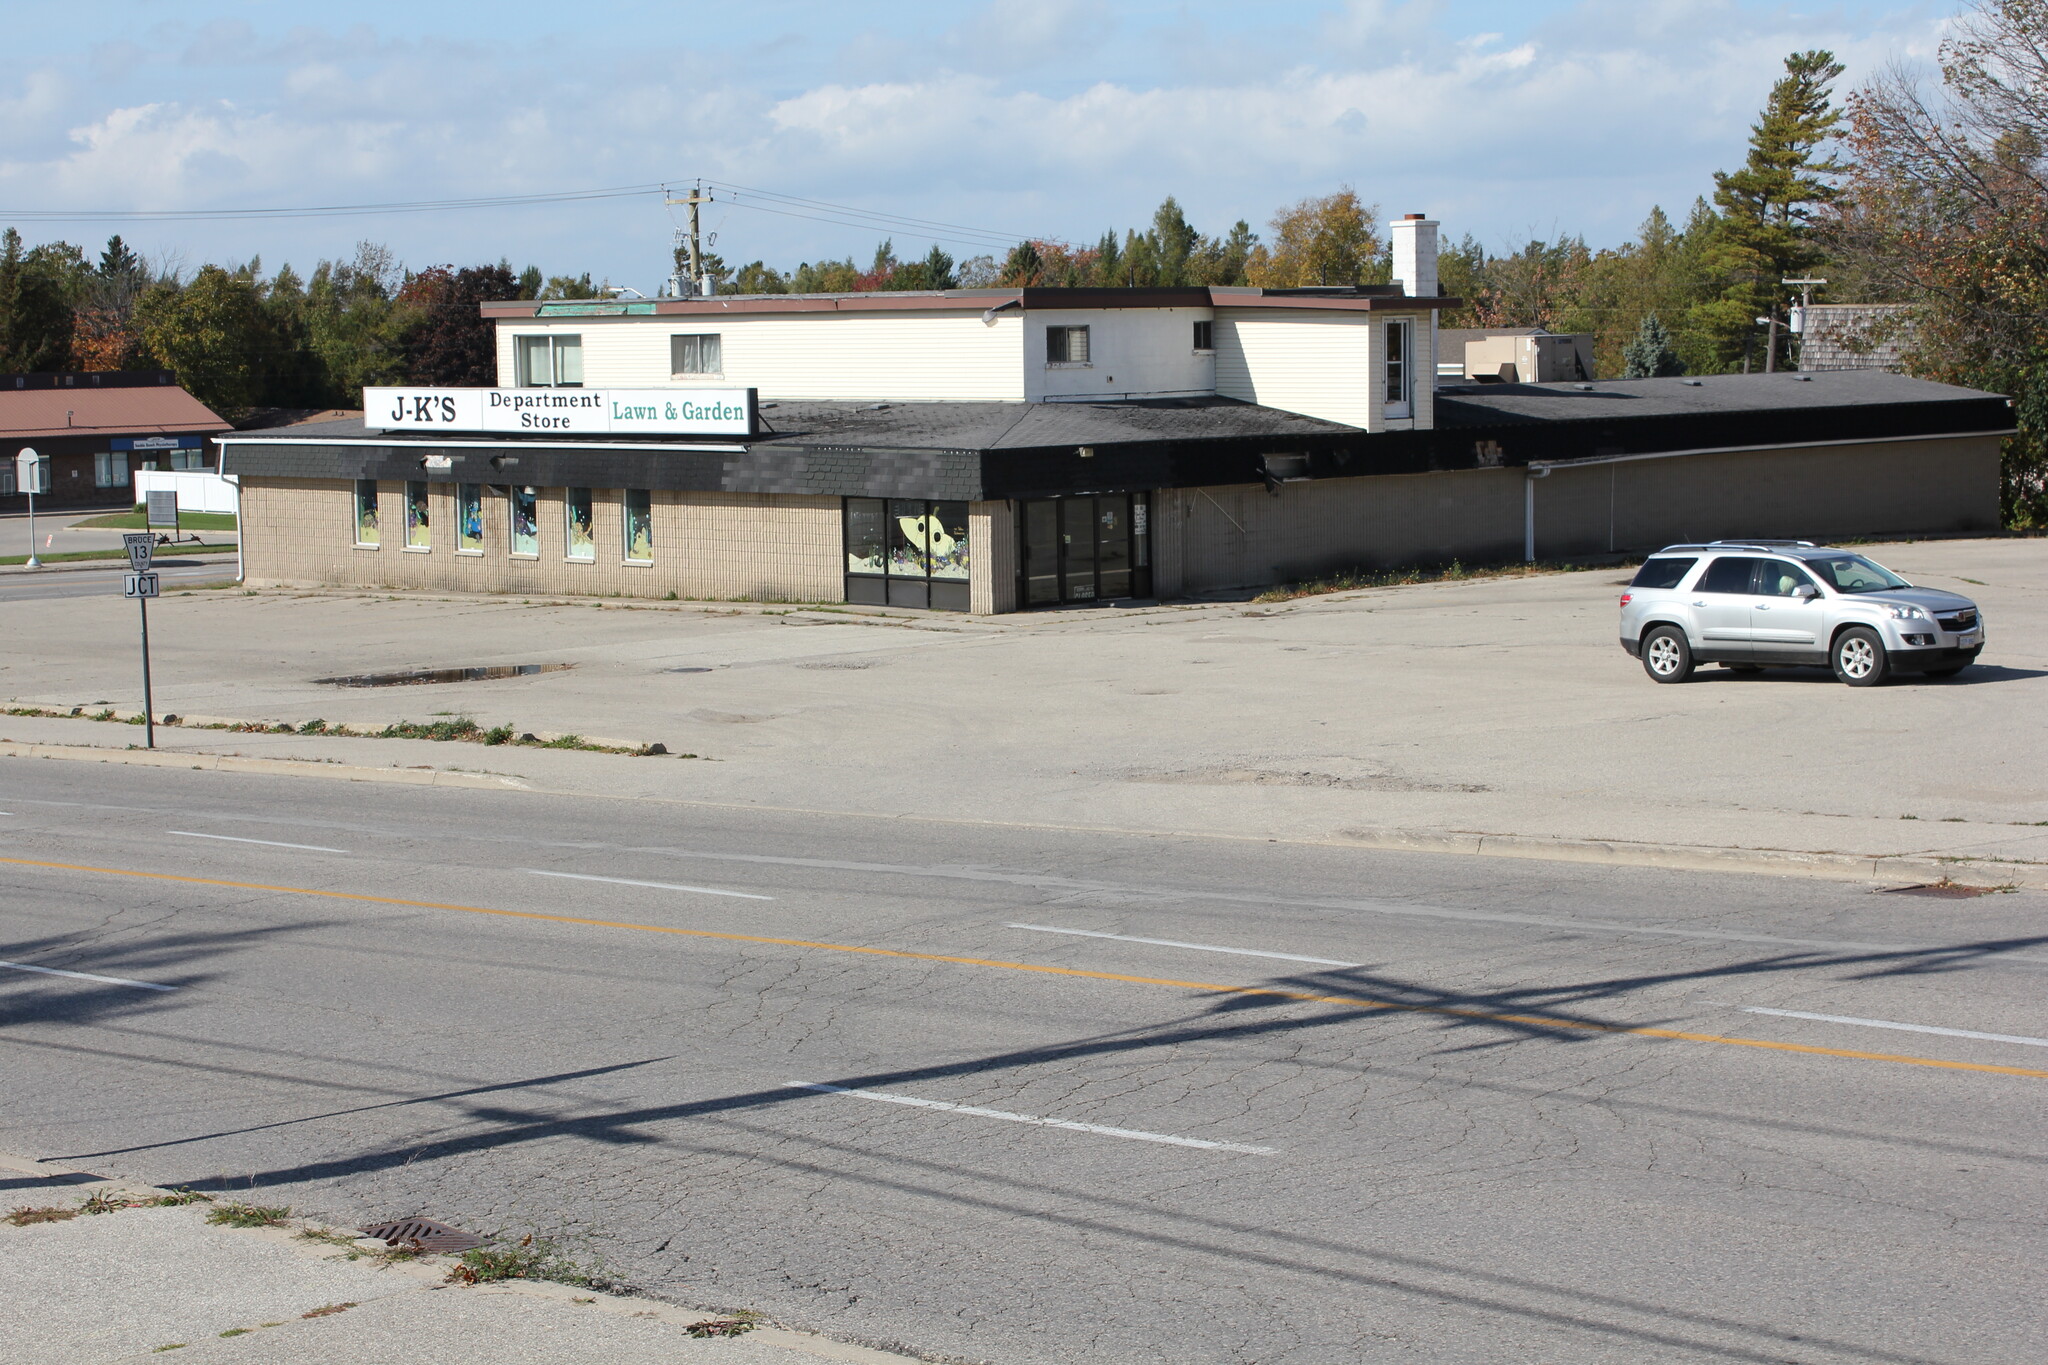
<point>1932,199</point>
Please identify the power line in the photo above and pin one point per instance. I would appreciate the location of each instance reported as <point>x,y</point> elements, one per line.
<point>326,210</point>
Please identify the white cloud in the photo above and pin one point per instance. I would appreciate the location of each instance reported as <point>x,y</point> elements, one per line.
<point>1578,123</point>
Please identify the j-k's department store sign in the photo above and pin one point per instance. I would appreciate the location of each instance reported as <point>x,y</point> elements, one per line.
<point>583,412</point>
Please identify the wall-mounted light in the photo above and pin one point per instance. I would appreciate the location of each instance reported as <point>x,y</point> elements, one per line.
<point>1085,452</point>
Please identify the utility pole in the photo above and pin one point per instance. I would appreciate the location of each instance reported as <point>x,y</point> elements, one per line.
<point>698,284</point>
<point>1806,286</point>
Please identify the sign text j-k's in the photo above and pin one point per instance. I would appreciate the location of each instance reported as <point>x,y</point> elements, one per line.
<point>585,412</point>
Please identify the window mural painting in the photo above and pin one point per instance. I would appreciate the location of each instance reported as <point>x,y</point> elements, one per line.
<point>582,528</point>
<point>418,531</point>
<point>366,512</point>
<point>525,521</point>
<point>469,518</point>
<point>907,553</point>
<point>639,526</point>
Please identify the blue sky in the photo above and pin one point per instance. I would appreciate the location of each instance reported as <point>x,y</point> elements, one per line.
<point>994,118</point>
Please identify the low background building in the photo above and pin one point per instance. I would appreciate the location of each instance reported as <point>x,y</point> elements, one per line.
<point>97,429</point>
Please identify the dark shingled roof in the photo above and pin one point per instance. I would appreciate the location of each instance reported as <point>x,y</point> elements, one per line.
<point>938,426</point>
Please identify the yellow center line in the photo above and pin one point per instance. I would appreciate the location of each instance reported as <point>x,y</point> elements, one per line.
<point>1273,992</point>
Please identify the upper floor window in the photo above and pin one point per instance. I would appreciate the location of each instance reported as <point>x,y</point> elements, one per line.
<point>551,361</point>
<point>1398,368</point>
<point>699,354</point>
<point>1066,345</point>
<point>1205,336</point>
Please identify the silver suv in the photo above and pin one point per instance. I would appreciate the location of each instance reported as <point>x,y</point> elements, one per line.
<point>1757,604</point>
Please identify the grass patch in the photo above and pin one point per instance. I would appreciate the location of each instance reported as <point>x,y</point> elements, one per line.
<point>81,556</point>
<point>238,1215</point>
<point>138,520</point>
<point>530,1258</point>
<point>27,1217</point>
<point>1351,580</point>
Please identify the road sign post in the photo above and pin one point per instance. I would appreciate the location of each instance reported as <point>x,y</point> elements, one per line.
<point>142,585</point>
<point>29,471</point>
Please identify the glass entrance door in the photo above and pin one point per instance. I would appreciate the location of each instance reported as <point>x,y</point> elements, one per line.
<point>1083,549</point>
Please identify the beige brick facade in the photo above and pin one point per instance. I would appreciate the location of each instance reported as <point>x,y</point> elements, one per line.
<point>728,546</point>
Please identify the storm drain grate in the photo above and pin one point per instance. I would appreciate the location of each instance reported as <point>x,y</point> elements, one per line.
<point>1953,891</point>
<point>428,1234</point>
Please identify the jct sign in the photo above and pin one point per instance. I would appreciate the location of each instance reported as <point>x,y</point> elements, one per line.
<point>589,412</point>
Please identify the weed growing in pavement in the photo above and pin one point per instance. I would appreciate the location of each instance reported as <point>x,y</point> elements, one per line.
<point>236,1215</point>
<point>24,1216</point>
<point>169,1346</point>
<point>328,1310</point>
<point>739,1324</point>
<point>530,1258</point>
<point>114,1203</point>
<point>237,1332</point>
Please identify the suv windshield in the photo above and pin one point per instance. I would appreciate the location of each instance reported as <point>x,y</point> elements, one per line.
<point>1854,573</point>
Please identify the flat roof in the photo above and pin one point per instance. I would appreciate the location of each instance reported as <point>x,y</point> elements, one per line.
<point>1352,298</point>
<point>1717,395</point>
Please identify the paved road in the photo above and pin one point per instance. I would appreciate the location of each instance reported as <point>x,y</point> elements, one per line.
<point>1312,1105</point>
<point>98,581</point>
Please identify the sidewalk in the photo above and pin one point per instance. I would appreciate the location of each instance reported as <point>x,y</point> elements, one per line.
<point>1479,716</point>
<point>142,1283</point>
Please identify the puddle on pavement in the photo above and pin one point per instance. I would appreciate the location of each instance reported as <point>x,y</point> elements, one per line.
<point>414,677</point>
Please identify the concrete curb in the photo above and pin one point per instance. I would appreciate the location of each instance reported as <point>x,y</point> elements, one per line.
<point>1849,867</point>
<point>1852,867</point>
<point>295,767</point>
<point>232,724</point>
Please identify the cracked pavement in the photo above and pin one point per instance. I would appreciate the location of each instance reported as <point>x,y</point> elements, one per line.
<point>1469,1163</point>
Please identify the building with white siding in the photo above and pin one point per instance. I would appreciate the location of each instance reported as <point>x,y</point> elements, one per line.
<point>997,449</point>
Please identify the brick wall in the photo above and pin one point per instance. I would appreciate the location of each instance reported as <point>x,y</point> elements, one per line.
<point>744,546</point>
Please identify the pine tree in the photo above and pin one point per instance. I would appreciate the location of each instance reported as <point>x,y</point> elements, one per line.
<point>1651,355</point>
<point>1765,231</point>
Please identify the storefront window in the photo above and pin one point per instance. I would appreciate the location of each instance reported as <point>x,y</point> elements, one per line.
<point>639,526</point>
<point>946,527</point>
<point>525,521</point>
<point>865,541</point>
<point>366,511</point>
<point>582,528</point>
<point>418,534</point>
<point>469,518</point>
<point>110,469</point>
<point>907,552</point>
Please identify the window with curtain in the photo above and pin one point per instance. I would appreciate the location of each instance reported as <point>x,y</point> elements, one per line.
<point>551,361</point>
<point>701,353</point>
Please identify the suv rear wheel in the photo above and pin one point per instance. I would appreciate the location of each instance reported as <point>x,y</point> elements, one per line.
<point>1666,655</point>
<point>1859,658</point>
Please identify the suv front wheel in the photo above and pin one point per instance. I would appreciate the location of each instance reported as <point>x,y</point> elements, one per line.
<point>1666,655</point>
<point>1859,658</point>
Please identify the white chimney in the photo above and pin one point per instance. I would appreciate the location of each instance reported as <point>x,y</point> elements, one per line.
<point>1414,242</point>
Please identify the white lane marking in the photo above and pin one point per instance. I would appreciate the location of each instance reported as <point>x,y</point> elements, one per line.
<point>1198,947</point>
<point>267,843</point>
<point>659,886</point>
<point>87,976</point>
<point>1904,1028</point>
<point>886,1098</point>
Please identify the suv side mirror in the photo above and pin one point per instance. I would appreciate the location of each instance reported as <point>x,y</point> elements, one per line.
<point>1806,592</point>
